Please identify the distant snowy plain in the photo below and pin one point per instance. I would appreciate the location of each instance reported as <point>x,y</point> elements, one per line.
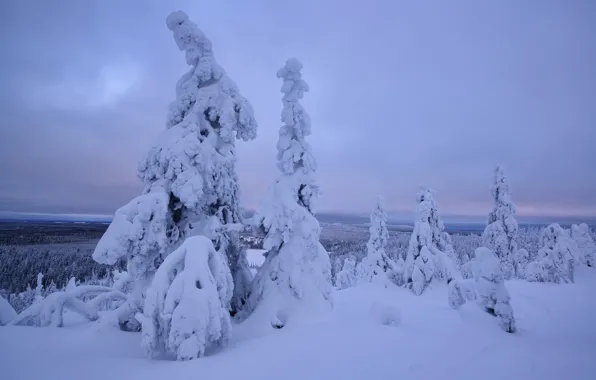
<point>371,333</point>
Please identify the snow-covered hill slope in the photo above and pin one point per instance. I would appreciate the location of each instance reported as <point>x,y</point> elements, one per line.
<point>371,333</point>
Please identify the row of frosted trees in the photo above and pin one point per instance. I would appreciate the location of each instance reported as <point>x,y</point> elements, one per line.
<point>430,255</point>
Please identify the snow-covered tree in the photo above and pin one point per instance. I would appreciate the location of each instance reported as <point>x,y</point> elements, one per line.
<point>376,265</point>
<point>189,178</point>
<point>555,260</point>
<point>492,294</point>
<point>347,278</point>
<point>426,257</point>
<point>521,260</point>
<point>39,288</point>
<point>580,233</point>
<point>297,270</point>
<point>186,308</point>
<point>501,231</point>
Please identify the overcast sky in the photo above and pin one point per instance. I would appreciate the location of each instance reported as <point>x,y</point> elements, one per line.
<point>403,94</point>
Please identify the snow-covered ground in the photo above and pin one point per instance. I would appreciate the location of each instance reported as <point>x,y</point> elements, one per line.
<point>372,333</point>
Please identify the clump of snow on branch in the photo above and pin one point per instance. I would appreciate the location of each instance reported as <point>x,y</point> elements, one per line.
<point>555,260</point>
<point>296,271</point>
<point>580,233</point>
<point>186,308</point>
<point>426,257</point>
<point>189,177</point>
<point>376,265</point>
<point>501,231</point>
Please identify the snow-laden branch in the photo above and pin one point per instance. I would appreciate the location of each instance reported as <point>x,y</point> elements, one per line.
<point>50,310</point>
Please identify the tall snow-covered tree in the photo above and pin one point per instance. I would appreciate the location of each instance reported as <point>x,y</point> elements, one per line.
<point>555,260</point>
<point>189,178</point>
<point>501,231</point>
<point>376,265</point>
<point>580,233</point>
<point>426,257</point>
<point>296,271</point>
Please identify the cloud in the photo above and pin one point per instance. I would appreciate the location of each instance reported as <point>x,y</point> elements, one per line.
<point>401,95</point>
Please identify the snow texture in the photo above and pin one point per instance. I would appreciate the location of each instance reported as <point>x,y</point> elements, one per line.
<point>358,339</point>
<point>7,313</point>
<point>501,231</point>
<point>376,265</point>
<point>580,233</point>
<point>555,260</point>
<point>423,262</point>
<point>490,286</point>
<point>297,270</point>
<point>186,308</point>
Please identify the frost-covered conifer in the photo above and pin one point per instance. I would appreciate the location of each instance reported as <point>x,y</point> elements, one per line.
<point>501,231</point>
<point>296,271</point>
<point>492,294</point>
<point>190,183</point>
<point>426,257</point>
<point>186,308</point>
<point>555,260</point>
<point>521,260</point>
<point>39,288</point>
<point>347,278</point>
<point>376,265</point>
<point>580,233</point>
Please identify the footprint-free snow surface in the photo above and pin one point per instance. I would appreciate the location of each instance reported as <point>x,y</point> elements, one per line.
<point>372,333</point>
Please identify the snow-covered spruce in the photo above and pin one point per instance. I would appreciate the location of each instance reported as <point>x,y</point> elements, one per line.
<point>522,260</point>
<point>50,310</point>
<point>376,265</point>
<point>501,231</point>
<point>186,308</point>
<point>189,178</point>
<point>296,271</point>
<point>555,260</point>
<point>346,278</point>
<point>487,289</point>
<point>580,233</point>
<point>490,287</point>
<point>426,257</point>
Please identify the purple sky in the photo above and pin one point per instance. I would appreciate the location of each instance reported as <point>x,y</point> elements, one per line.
<point>403,93</point>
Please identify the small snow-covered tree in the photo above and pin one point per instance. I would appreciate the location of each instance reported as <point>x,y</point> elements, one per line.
<point>186,308</point>
<point>376,265</point>
<point>555,260</point>
<point>521,260</point>
<point>347,278</point>
<point>426,257</point>
<point>297,270</point>
<point>190,183</point>
<point>501,231</point>
<point>39,288</point>
<point>492,294</point>
<point>580,233</point>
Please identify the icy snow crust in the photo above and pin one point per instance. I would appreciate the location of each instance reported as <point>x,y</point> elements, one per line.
<point>372,333</point>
